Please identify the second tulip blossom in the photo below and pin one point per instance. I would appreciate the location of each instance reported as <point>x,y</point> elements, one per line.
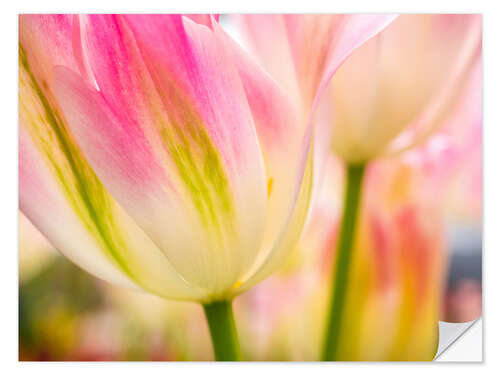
<point>397,88</point>
<point>390,93</point>
<point>397,271</point>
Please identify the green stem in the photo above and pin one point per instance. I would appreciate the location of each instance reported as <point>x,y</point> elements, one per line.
<point>220,320</point>
<point>341,265</point>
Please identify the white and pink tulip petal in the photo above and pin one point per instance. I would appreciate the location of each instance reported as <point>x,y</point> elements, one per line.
<point>60,193</point>
<point>178,149</point>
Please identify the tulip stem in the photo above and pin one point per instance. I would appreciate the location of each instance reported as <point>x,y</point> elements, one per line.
<point>220,320</point>
<point>341,263</point>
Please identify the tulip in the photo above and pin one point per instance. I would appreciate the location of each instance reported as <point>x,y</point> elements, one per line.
<point>155,154</point>
<point>388,96</point>
<point>415,192</point>
<point>403,108</point>
<point>393,289</point>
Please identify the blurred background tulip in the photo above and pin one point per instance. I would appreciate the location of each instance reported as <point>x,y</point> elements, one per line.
<point>397,271</point>
<point>417,252</point>
<point>417,70</point>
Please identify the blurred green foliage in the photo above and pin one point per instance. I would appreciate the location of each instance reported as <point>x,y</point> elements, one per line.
<point>49,302</point>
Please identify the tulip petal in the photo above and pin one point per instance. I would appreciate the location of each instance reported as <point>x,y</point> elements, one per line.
<point>313,79</point>
<point>417,69</point>
<point>280,128</point>
<point>267,38</point>
<point>116,251</point>
<point>290,234</point>
<point>41,33</point>
<point>203,19</point>
<point>60,193</point>
<point>354,31</point>
<point>178,149</point>
<point>458,48</point>
<point>303,51</point>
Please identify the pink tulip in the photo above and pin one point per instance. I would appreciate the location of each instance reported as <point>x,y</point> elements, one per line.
<point>148,169</point>
<point>156,154</point>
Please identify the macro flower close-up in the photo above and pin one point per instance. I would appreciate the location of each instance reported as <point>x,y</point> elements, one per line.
<point>303,169</point>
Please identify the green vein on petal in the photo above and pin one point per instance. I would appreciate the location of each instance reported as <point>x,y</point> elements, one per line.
<point>196,159</point>
<point>83,190</point>
<point>200,168</point>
